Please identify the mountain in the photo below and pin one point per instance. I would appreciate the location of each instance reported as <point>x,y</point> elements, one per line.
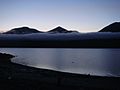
<point>114,27</point>
<point>22,30</point>
<point>60,30</point>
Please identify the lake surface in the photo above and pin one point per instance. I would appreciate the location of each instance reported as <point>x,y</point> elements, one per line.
<point>102,62</point>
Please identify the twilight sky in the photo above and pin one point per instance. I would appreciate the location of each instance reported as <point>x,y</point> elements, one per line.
<point>81,15</point>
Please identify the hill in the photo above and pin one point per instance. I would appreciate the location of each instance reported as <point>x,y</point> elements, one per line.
<point>60,30</point>
<point>114,27</point>
<point>22,30</point>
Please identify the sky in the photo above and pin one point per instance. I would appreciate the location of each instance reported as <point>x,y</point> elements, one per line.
<point>44,15</point>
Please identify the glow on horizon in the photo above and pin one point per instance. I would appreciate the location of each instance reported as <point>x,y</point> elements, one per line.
<point>44,15</point>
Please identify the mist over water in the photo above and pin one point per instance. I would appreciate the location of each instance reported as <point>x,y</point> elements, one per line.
<point>102,62</point>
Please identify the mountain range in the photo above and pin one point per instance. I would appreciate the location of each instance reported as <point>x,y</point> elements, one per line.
<point>114,27</point>
<point>27,30</point>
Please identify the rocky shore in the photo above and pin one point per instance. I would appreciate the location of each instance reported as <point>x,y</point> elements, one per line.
<point>20,77</point>
<point>5,58</point>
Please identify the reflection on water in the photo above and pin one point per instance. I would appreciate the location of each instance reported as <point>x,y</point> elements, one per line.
<point>84,61</point>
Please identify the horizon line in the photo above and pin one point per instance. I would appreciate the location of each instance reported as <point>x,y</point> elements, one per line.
<point>43,30</point>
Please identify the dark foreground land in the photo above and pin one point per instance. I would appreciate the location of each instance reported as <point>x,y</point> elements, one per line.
<point>19,77</point>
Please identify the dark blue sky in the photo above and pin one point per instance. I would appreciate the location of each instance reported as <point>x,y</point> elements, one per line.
<point>81,15</point>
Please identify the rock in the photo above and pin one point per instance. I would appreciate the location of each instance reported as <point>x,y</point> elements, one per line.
<point>5,57</point>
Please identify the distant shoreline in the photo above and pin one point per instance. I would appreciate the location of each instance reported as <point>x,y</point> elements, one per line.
<point>61,40</point>
<point>108,43</point>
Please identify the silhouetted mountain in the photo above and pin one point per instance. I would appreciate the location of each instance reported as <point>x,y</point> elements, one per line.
<point>60,30</point>
<point>114,27</point>
<point>22,30</point>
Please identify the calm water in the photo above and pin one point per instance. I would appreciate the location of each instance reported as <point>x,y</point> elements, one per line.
<point>105,62</point>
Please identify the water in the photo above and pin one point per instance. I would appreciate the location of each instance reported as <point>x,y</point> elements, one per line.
<point>102,62</point>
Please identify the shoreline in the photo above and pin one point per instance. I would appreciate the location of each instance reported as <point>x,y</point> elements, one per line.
<point>25,75</point>
<point>92,75</point>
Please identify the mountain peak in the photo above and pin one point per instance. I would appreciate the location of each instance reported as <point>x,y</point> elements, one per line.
<point>22,30</point>
<point>116,23</point>
<point>59,29</point>
<point>114,27</point>
<point>23,27</point>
